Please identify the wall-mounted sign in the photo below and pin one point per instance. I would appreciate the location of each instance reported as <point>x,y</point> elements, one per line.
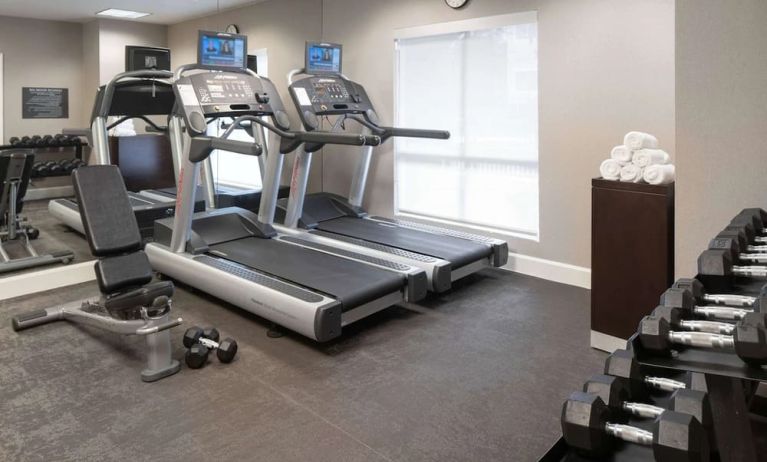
<point>44,103</point>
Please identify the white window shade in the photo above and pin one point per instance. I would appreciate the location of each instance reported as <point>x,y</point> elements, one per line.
<point>232,169</point>
<point>481,84</point>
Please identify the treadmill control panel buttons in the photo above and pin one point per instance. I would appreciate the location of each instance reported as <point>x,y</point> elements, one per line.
<point>328,95</point>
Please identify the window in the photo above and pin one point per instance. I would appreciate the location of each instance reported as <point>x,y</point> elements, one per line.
<point>478,79</point>
<point>232,169</point>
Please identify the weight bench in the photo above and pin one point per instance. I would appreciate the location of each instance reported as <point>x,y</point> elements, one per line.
<point>15,170</point>
<point>130,304</point>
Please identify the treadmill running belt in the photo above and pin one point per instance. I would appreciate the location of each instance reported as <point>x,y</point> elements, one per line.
<point>459,252</point>
<point>350,282</point>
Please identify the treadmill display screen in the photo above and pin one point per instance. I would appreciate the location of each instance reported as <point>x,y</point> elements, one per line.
<point>323,58</point>
<point>217,49</point>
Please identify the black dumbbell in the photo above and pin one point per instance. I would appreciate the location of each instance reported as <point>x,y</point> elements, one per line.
<point>676,437</point>
<point>748,255</point>
<point>42,169</point>
<point>717,268</point>
<point>32,232</point>
<point>679,319</point>
<point>47,141</point>
<point>616,393</point>
<point>59,139</point>
<point>756,218</point>
<point>748,341</point>
<point>14,141</point>
<point>74,141</point>
<point>57,169</point>
<point>25,142</point>
<point>623,364</point>
<point>699,293</point>
<point>683,300</point>
<point>199,347</point>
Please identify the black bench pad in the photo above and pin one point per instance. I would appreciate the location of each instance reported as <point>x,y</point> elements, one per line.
<point>116,273</point>
<point>143,296</point>
<point>108,218</point>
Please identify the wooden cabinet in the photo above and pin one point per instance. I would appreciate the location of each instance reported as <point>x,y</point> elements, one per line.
<point>145,161</point>
<point>632,255</point>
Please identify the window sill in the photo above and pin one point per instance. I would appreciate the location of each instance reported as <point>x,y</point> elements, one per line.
<point>468,227</point>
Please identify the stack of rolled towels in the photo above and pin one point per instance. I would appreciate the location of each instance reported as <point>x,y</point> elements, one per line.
<point>638,160</point>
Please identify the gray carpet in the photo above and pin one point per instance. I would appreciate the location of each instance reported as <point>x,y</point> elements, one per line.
<point>477,374</point>
<point>53,236</point>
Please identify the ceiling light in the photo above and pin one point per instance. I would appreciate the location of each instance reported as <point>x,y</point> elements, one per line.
<point>124,14</point>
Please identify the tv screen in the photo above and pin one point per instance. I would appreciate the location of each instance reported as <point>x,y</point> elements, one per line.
<point>141,58</point>
<point>218,49</point>
<point>323,58</point>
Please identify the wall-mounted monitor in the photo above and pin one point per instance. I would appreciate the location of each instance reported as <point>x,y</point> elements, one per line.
<point>219,49</point>
<point>139,58</point>
<point>323,58</point>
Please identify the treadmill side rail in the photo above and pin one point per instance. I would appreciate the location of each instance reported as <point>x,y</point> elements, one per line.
<point>500,247</point>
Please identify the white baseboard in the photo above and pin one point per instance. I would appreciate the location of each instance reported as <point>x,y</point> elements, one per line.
<point>39,281</point>
<point>551,270</point>
<point>606,342</point>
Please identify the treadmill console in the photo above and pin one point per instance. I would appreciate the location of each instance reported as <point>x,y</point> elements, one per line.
<point>318,96</point>
<point>227,94</point>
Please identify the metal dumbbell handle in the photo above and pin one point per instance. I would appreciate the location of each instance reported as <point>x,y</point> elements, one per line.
<point>756,248</point>
<point>664,384</point>
<point>721,312</point>
<point>703,340</point>
<point>729,299</point>
<point>712,327</point>
<point>208,343</point>
<point>753,257</point>
<point>629,433</point>
<point>760,239</point>
<point>647,411</point>
<point>750,271</point>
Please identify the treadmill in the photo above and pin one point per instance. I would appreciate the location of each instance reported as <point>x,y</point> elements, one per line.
<point>236,255</point>
<point>323,92</point>
<point>130,95</point>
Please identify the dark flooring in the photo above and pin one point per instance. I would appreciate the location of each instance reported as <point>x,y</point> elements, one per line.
<point>478,374</point>
<point>53,236</point>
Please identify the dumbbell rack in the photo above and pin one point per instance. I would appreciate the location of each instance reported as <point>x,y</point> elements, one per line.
<point>732,425</point>
<point>52,186</point>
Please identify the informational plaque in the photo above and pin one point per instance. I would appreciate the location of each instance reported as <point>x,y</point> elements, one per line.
<point>44,103</point>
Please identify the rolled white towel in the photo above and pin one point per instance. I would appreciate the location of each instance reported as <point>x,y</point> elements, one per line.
<point>611,169</point>
<point>660,174</point>
<point>631,173</point>
<point>646,157</point>
<point>640,140</point>
<point>621,154</point>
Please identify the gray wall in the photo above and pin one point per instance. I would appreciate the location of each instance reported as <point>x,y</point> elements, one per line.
<point>606,67</point>
<point>45,54</point>
<point>280,26</point>
<point>115,35</point>
<point>721,118</point>
<point>90,67</point>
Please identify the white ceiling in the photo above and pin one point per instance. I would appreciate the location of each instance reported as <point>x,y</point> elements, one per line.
<point>162,11</point>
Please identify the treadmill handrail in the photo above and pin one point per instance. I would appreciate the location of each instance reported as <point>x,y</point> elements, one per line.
<point>202,146</point>
<point>299,137</point>
<point>388,132</point>
<point>109,89</point>
<point>150,124</point>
